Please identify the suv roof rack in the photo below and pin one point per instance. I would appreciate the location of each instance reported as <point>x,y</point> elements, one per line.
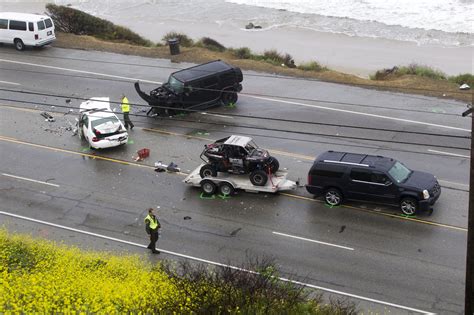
<point>348,163</point>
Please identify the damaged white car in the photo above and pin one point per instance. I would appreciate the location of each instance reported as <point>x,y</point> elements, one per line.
<point>99,126</point>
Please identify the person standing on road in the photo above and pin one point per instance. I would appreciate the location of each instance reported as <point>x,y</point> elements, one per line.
<point>126,111</point>
<point>152,226</point>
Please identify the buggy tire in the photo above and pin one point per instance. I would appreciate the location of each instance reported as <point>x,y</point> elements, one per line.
<point>258,178</point>
<point>207,170</point>
<point>274,166</point>
<point>226,189</point>
<point>208,187</point>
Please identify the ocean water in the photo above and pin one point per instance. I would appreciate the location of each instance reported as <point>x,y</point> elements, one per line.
<point>440,22</point>
<point>453,16</point>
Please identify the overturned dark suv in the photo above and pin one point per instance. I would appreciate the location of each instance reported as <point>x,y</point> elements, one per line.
<point>199,87</point>
<point>341,175</point>
<point>238,155</point>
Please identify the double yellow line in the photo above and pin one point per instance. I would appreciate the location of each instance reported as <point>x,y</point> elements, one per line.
<point>103,158</point>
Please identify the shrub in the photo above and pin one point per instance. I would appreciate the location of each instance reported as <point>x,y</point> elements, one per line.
<point>312,66</point>
<point>211,44</point>
<point>184,40</point>
<point>74,21</point>
<point>242,53</point>
<point>412,69</point>
<point>463,78</point>
<point>422,71</point>
<point>276,58</point>
<point>41,277</point>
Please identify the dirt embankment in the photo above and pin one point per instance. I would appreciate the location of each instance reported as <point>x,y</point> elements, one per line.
<point>407,83</point>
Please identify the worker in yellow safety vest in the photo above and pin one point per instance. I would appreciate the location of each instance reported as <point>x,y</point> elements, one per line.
<point>152,226</point>
<point>126,111</point>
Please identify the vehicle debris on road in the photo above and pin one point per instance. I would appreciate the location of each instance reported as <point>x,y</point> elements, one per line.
<point>142,154</point>
<point>47,116</point>
<point>172,167</point>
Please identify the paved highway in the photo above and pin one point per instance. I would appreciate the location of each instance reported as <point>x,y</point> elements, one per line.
<point>410,264</point>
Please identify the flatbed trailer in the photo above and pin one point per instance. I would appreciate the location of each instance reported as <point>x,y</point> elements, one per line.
<point>226,183</point>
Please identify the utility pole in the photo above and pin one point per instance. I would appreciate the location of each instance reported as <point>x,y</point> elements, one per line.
<point>469,294</point>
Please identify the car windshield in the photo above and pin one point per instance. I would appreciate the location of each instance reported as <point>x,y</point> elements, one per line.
<point>105,122</point>
<point>175,85</point>
<point>251,146</point>
<point>399,172</point>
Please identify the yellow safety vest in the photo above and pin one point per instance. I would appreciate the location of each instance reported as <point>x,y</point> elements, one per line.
<point>125,105</point>
<point>153,222</point>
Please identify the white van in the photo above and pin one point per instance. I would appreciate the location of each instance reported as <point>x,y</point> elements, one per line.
<point>23,29</point>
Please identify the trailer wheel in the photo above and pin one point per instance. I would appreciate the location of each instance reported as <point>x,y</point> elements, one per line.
<point>258,178</point>
<point>226,189</point>
<point>208,187</point>
<point>207,171</point>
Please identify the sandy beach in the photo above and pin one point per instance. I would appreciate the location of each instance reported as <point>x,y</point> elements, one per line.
<point>351,54</point>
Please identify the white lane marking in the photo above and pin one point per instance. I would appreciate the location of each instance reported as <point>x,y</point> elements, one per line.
<point>257,97</point>
<point>217,115</point>
<point>12,83</point>
<point>79,71</point>
<point>30,180</point>
<point>446,181</point>
<point>310,240</point>
<point>218,264</point>
<point>358,113</point>
<point>449,153</point>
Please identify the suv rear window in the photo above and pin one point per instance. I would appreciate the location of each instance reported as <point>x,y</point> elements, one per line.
<point>333,171</point>
<point>3,24</point>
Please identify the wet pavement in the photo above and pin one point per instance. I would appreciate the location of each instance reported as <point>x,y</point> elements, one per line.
<point>413,262</point>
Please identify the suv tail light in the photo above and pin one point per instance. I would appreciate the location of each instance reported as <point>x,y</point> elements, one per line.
<point>309,179</point>
<point>97,132</point>
<point>95,139</point>
<point>36,36</point>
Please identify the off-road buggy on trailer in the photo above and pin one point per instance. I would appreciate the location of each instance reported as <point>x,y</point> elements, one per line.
<point>199,87</point>
<point>238,155</point>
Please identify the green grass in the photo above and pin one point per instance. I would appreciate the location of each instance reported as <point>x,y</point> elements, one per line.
<point>312,66</point>
<point>241,53</point>
<point>412,69</point>
<point>211,44</point>
<point>274,57</point>
<point>184,40</point>
<point>463,78</point>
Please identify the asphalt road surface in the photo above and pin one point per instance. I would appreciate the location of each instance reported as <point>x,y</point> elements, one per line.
<point>366,252</point>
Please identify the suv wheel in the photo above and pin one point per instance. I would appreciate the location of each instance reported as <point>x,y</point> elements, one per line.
<point>207,171</point>
<point>258,178</point>
<point>274,165</point>
<point>333,197</point>
<point>409,205</point>
<point>228,97</point>
<point>208,187</point>
<point>19,45</point>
